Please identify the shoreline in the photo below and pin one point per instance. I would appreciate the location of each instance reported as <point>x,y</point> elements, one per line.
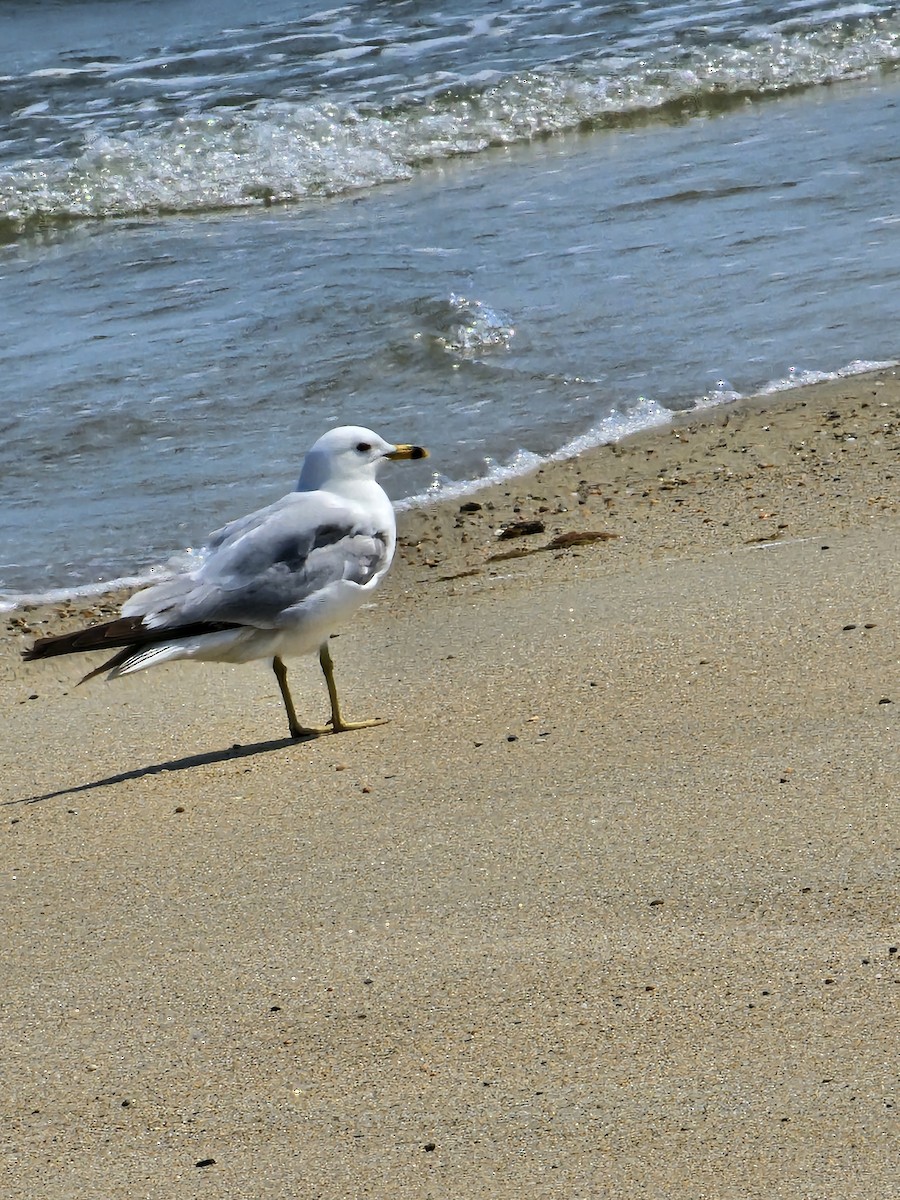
<point>504,501</point>
<point>608,908</point>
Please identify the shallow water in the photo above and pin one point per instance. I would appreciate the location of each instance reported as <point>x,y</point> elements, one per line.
<point>161,373</point>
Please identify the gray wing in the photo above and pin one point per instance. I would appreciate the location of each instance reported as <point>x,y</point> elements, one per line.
<point>233,530</point>
<point>275,559</point>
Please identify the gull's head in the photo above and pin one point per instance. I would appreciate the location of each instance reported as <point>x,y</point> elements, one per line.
<point>349,452</point>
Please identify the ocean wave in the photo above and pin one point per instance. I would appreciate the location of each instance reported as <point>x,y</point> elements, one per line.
<point>279,151</point>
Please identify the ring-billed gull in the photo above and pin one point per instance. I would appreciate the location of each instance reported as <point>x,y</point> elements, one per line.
<point>272,584</point>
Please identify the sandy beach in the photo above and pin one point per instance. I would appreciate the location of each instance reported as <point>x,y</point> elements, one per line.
<point>608,909</point>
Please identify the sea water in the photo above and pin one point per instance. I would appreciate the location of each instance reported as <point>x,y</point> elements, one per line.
<point>508,231</point>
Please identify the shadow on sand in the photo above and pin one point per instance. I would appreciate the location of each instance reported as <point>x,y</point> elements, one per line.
<point>230,754</point>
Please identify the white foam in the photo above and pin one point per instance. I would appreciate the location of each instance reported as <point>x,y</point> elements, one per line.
<point>10,601</point>
<point>645,415</point>
<point>797,378</point>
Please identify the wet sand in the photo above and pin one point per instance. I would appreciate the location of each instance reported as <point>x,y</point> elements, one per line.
<point>610,907</point>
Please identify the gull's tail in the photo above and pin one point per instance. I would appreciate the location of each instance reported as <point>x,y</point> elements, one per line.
<point>138,645</point>
<point>123,631</point>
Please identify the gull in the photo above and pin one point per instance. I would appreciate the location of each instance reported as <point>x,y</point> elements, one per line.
<point>273,584</point>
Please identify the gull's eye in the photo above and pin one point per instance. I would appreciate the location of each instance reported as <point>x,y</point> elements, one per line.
<point>364,447</point>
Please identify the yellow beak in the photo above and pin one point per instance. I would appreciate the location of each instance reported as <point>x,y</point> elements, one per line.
<point>407,452</point>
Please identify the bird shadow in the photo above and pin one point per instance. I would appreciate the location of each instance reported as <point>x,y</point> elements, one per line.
<point>228,754</point>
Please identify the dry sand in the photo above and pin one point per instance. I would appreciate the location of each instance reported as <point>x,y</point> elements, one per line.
<point>609,909</point>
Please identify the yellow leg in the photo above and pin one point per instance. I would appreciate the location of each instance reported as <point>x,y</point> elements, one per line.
<point>297,730</point>
<point>337,722</point>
